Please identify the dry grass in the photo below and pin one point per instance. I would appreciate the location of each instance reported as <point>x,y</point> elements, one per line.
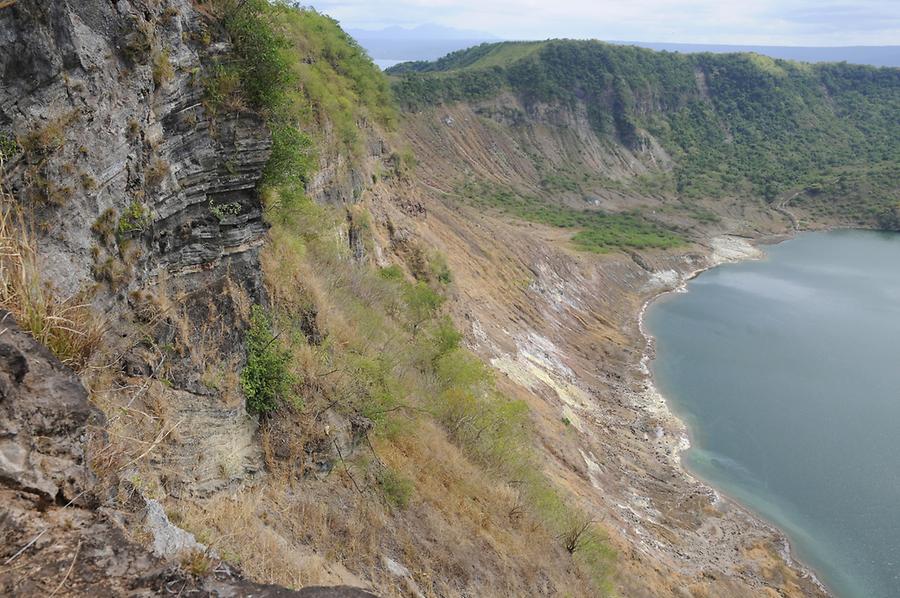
<point>415,495</point>
<point>163,71</point>
<point>238,527</point>
<point>65,325</point>
<point>157,172</point>
<point>461,534</point>
<point>47,139</point>
<point>485,539</point>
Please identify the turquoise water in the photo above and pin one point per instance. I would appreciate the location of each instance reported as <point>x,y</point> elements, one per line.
<point>787,373</point>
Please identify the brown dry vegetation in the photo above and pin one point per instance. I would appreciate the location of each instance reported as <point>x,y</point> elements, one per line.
<point>463,532</point>
<point>65,325</point>
<point>391,441</point>
<point>388,439</point>
<point>440,478</point>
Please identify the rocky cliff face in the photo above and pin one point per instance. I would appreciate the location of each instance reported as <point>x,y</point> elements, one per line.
<point>143,197</point>
<point>107,102</point>
<point>143,193</point>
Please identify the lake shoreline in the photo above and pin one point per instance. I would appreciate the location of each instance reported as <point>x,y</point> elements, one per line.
<point>722,250</point>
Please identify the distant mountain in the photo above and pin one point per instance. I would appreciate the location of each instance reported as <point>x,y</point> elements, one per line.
<point>420,32</point>
<point>430,41</point>
<point>736,122</point>
<point>871,55</point>
<point>391,45</point>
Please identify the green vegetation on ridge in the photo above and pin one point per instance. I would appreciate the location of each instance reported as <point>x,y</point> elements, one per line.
<point>736,124</point>
<point>482,56</point>
<point>301,71</point>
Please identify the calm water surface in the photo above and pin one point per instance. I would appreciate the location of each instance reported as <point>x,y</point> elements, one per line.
<point>787,372</point>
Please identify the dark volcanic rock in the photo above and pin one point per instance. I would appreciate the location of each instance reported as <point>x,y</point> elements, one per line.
<point>44,415</point>
<point>139,187</point>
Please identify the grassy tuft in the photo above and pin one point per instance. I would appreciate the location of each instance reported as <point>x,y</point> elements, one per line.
<point>136,218</point>
<point>44,140</point>
<point>162,68</point>
<point>64,325</point>
<point>397,490</point>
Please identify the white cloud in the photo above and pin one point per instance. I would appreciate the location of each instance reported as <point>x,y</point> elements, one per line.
<point>784,22</point>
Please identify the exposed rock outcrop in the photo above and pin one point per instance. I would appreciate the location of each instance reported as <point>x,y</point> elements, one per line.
<point>58,537</point>
<point>107,103</point>
<point>44,416</point>
<point>139,183</point>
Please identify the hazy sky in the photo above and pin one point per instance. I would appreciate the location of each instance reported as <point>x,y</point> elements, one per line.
<point>782,22</point>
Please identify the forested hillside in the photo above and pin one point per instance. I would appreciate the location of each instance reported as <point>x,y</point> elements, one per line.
<point>737,125</point>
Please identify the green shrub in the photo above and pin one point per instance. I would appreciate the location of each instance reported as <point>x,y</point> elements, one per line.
<point>8,148</point>
<point>422,302</point>
<point>264,68</point>
<point>393,272</point>
<point>266,378</point>
<point>135,219</point>
<point>223,211</point>
<point>403,163</point>
<point>889,218</point>
<point>397,489</point>
<point>264,64</point>
<point>293,156</point>
<point>222,88</point>
<point>440,271</point>
<point>298,69</point>
<point>444,338</point>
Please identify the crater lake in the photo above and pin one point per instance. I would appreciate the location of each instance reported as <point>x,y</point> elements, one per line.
<point>786,372</point>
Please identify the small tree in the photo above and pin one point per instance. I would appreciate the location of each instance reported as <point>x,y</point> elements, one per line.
<point>266,378</point>
<point>889,218</point>
<point>577,535</point>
